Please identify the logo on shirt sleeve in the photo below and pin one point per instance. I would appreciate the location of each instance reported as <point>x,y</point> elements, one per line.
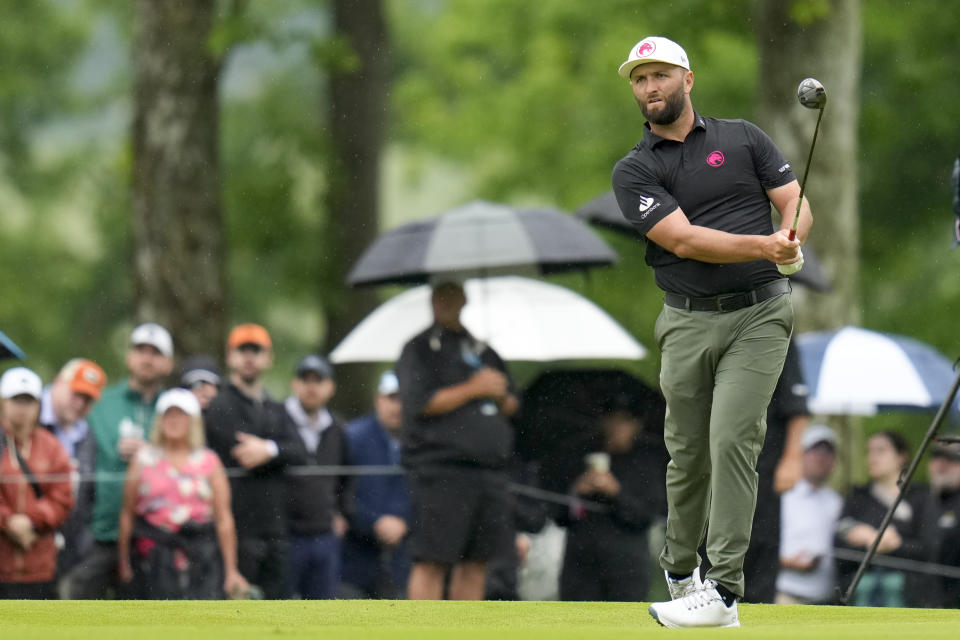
<point>647,205</point>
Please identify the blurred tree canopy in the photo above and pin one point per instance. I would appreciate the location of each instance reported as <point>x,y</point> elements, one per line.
<point>512,101</point>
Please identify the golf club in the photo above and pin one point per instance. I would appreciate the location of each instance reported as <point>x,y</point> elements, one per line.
<point>812,95</point>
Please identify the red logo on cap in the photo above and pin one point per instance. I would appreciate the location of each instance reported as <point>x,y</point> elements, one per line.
<point>715,159</point>
<point>645,49</point>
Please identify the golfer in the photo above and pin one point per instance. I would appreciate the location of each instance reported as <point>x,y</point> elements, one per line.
<point>699,189</point>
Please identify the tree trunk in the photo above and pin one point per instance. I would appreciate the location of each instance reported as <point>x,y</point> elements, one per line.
<point>178,229</point>
<point>357,120</point>
<point>828,47</point>
<point>826,44</point>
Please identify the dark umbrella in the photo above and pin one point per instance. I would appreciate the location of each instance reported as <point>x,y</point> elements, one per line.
<point>8,349</point>
<point>604,211</point>
<point>560,418</point>
<point>478,239</point>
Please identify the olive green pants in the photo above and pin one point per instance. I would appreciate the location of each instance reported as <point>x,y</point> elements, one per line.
<point>717,374</point>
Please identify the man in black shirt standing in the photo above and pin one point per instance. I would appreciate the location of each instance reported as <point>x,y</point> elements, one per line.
<point>457,399</point>
<point>699,189</point>
<point>251,434</point>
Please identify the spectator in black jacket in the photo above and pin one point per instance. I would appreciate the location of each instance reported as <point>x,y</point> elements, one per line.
<point>318,501</point>
<point>910,535</point>
<point>255,441</point>
<point>457,402</point>
<point>945,482</point>
<point>607,555</point>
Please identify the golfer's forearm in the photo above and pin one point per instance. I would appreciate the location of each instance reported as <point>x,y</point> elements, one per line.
<point>716,247</point>
<point>806,218</point>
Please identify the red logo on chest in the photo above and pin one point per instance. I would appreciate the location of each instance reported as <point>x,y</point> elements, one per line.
<point>715,159</point>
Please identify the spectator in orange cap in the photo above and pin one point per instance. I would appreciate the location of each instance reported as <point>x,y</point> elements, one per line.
<point>63,412</point>
<point>249,431</point>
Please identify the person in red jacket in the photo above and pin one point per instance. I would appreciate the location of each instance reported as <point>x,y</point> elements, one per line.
<point>35,495</point>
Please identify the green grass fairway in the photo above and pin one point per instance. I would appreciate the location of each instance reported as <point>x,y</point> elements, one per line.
<point>363,620</point>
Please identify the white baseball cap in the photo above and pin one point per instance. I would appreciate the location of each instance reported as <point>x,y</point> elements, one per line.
<point>181,398</point>
<point>154,335</point>
<point>654,49</point>
<point>20,381</point>
<point>817,433</point>
<point>389,384</point>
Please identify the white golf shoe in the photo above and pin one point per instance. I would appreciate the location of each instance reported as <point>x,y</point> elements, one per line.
<point>702,608</point>
<point>680,588</point>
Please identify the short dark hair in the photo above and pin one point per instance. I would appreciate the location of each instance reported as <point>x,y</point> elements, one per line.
<point>899,443</point>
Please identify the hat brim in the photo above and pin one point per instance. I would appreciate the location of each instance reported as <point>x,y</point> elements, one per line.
<point>86,389</point>
<point>627,67</point>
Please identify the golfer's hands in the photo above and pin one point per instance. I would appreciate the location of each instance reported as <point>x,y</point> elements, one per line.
<point>20,529</point>
<point>792,267</point>
<point>251,451</point>
<point>488,383</point>
<point>390,530</point>
<point>779,248</point>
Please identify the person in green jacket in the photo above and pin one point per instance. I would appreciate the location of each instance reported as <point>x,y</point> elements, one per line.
<point>120,424</point>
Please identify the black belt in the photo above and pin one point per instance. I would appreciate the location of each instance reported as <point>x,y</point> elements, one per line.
<point>729,301</point>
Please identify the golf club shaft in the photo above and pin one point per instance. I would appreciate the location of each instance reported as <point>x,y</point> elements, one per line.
<point>803,183</point>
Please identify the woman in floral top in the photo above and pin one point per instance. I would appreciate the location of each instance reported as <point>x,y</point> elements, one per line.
<point>177,537</point>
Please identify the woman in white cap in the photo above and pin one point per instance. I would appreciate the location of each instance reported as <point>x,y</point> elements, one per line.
<point>176,526</point>
<point>35,495</point>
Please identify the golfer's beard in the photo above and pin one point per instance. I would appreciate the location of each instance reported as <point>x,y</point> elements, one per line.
<point>672,108</point>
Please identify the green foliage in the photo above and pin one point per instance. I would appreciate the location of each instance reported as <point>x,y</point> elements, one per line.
<point>521,97</point>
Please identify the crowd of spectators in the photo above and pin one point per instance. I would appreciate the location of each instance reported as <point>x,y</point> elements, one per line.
<point>215,489</point>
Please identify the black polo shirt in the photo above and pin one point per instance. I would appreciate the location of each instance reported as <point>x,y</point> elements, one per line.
<point>475,434</point>
<point>718,176</point>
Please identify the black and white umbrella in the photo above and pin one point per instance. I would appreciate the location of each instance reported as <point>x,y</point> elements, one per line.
<point>479,239</point>
<point>854,371</point>
<point>604,211</point>
<point>8,349</point>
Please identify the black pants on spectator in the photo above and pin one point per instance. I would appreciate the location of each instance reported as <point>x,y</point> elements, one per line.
<point>263,562</point>
<point>95,576</point>
<point>605,565</point>
<point>28,590</point>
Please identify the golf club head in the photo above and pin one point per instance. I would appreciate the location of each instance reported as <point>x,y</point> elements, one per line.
<point>811,94</point>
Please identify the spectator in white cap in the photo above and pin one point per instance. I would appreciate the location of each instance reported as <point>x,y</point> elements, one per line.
<point>809,514</point>
<point>121,424</point>
<point>376,558</point>
<point>176,507</point>
<point>35,494</point>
